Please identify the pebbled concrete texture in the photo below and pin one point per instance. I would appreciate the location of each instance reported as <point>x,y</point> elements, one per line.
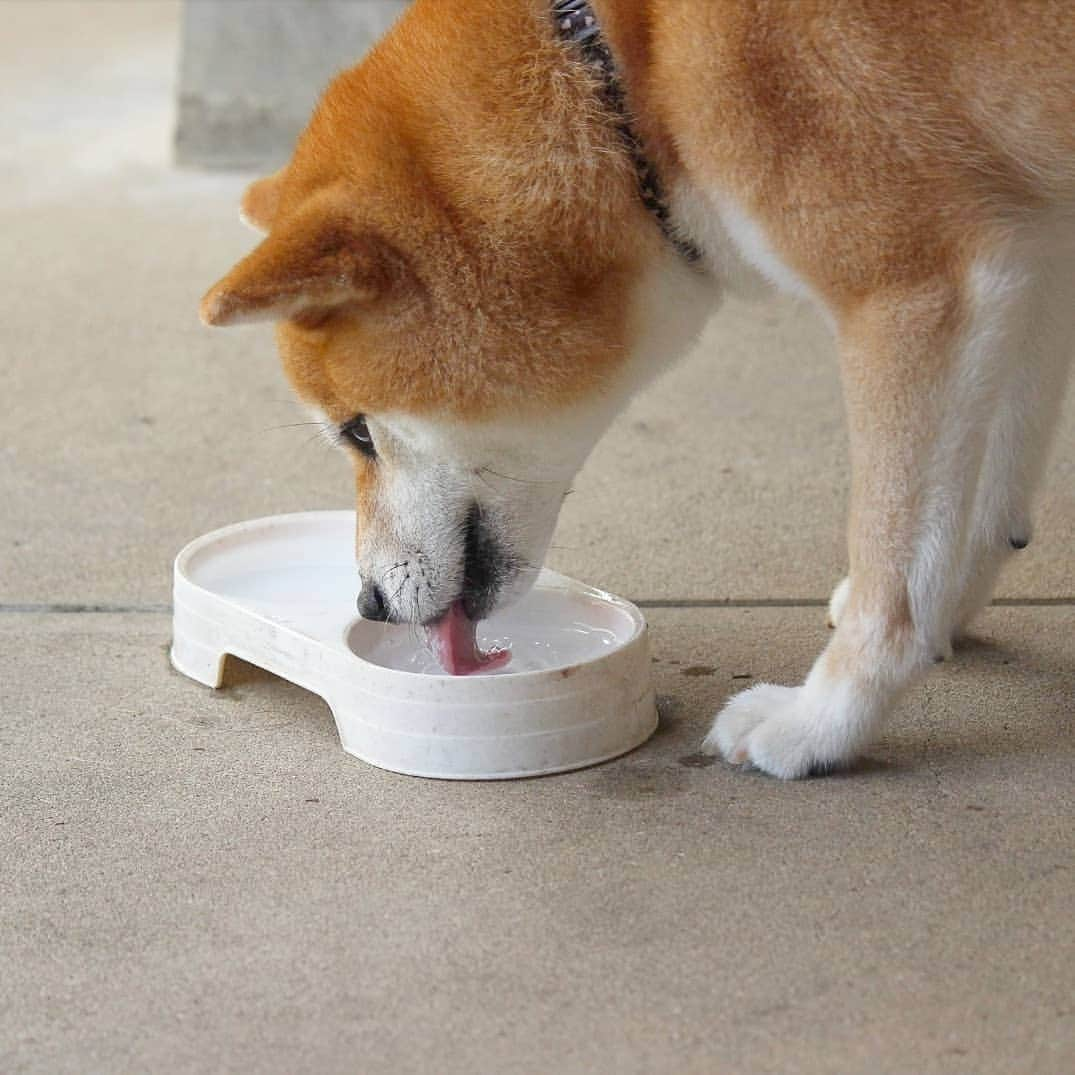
<point>199,881</point>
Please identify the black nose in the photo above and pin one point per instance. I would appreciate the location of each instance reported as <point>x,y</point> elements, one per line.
<point>371,602</point>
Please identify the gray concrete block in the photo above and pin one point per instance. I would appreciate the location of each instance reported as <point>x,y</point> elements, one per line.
<point>251,72</point>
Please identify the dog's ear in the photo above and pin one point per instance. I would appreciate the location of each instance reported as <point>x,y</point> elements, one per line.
<point>260,201</point>
<point>310,265</point>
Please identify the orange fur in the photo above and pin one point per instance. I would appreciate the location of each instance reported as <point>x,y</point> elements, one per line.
<point>878,142</point>
<point>261,201</point>
<point>869,136</point>
<point>514,288</point>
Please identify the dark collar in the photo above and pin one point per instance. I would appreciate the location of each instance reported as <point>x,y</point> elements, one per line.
<point>577,24</point>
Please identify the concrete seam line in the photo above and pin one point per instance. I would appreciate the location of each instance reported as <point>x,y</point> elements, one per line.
<point>72,609</point>
<point>80,609</point>
<point>821,602</point>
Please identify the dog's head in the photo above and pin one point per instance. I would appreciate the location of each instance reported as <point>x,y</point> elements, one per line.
<point>466,329</point>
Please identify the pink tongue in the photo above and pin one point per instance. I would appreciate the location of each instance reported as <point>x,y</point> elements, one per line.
<point>454,639</point>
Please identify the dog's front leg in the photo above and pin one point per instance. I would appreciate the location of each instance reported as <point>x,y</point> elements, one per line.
<point>917,368</point>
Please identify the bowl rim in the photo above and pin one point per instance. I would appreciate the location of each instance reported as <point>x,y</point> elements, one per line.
<point>547,579</point>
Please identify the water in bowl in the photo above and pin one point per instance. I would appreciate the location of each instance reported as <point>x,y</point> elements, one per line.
<point>544,632</point>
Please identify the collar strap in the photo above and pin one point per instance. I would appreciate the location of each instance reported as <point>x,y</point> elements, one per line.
<point>577,24</point>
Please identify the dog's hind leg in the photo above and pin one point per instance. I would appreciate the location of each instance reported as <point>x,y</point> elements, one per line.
<point>1022,426</point>
<point>921,370</point>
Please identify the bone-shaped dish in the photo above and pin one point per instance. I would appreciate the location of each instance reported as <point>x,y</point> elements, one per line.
<point>279,593</point>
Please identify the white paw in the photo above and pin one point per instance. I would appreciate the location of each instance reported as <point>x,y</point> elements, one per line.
<point>778,730</point>
<point>839,600</point>
<point>731,731</point>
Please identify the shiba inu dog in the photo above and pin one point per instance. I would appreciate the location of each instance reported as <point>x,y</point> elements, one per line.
<point>514,213</point>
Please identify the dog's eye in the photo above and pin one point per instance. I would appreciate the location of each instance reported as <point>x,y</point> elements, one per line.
<point>357,434</point>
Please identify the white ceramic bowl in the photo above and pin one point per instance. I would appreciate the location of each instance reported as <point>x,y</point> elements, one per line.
<point>280,593</point>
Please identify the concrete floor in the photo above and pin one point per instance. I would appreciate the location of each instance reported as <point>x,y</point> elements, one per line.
<point>201,882</point>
